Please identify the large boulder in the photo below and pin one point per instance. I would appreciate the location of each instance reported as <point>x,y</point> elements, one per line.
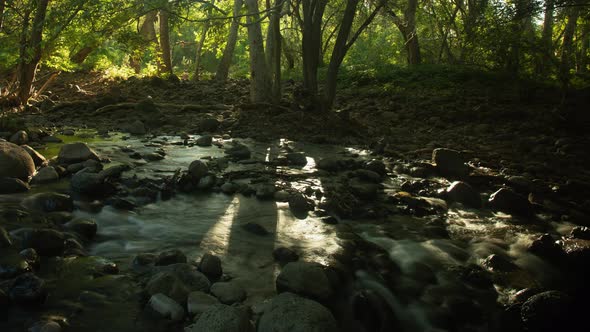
<point>166,307</point>
<point>463,193</point>
<point>38,158</point>
<point>197,169</point>
<point>228,292</point>
<point>548,311</point>
<point>222,318</point>
<point>288,312</point>
<point>12,185</point>
<point>199,302</point>
<point>508,201</point>
<point>75,153</point>
<point>450,163</point>
<point>210,265</point>
<point>306,279</point>
<point>15,162</point>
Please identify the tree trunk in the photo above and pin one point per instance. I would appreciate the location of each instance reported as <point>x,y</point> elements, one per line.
<point>544,59</point>
<point>567,45</point>
<point>228,52</point>
<point>2,6</point>
<point>338,53</point>
<point>411,37</point>
<point>201,42</point>
<point>80,56</point>
<point>260,83</point>
<point>30,59</point>
<point>582,63</point>
<point>273,49</point>
<point>313,11</point>
<point>165,41</point>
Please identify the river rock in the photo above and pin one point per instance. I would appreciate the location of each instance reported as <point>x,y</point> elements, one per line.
<point>363,190</point>
<point>19,138</point>
<point>47,242</point>
<point>51,139</point>
<point>171,256</point>
<point>548,311</point>
<point>207,182</point>
<point>228,292</point>
<point>265,191</point>
<point>45,175</point>
<point>205,140</point>
<point>222,318</point>
<point>199,302</point>
<point>367,175</point>
<point>255,228</point>
<point>580,232</point>
<point>299,205</point>
<point>284,255</point>
<point>87,183</point>
<point>498,263</point>
<point>75,153</point>
<point>12,186</point>
<point>198,169</point>
<point>508,201</point>
<point>288,312</point>
<point>49,202</point>
<point>28,289</point>
<point>296,159</point>
<point>463,193</point>
<point>12,264</point>
<point>546,247</point>
<point>238,151</point>
<point>38,158</point>
<point>5,240</point>
<point>210,265</point>
<point>45,326</point>
<point>229,188</point>
<point>15,162</point>
<point>330,164</point>
<point>177,281</point>
<point>136,128</point>
<point>166,307</point>
<point>450,163</point>
<point>84,227</point>
<point>306,279</point>
<point>376,166</point>
<point>208,125</point>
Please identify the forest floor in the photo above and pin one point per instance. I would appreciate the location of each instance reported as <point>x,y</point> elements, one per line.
<point>510,125</point>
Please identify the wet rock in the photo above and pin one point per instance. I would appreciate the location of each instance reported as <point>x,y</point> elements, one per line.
<point>171,256</point>
<point>238,152</point>
<point>205,140</point>
<point>12,186</point>
<point>177,281</point>
<point>207,182</point>
<point>463,193</point>
<point>147,105</point>
<point>49,202</point>
<point>121,203</point>
<point>296,159</point>
<point>45,175</point>
<point>265,191</point>
<point>450,163</point>
<point>208,125</point>
<point>284,255</point>
<point>113,172</point>
<point>12,264</point>
<point>153,156</point>
<point>31,257</point>
<point>577,252</point>
<point>282,196</point>
<point>367,175</point>
<point>229,188</point>
<point>330,164</point>
<point>228,292</point>
<point>508,201</point>
<point>362,189</point>
<point>330,220</point>
<point>255,228</point>
<point>306,279</point>
<point>546,247</point>
<point>88,183</point>
<point>38,158</point>
<point>75,153</point>
<point>198,169</point>
<point>166,307</point>
<point>15,162</point>
<point>5,240</point>
<point>288,312</point>
<point>85,227</point>
<point>299,205</point>
<point>580,232</point>
<point>4,300</point>
<point>47,242</point>
<point>520,184</point>
<point>210,265</point>
<point>548,311</point>
<point>199,302</point>
<point>68,132</point>
<point>222,318</point>
<point>28,289</point>
<point>376,166</point>
<point>45,326</point>
<point>19,138</point>
<point>497,263</point>
<point>136,128</point>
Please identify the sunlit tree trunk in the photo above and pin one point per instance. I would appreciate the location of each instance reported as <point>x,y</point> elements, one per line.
<point>567,45</point>
<point>260,83</point>
<point>582,64</point>
<point>165,40</point>
<point>228,52</point>
<point>2,6</point>
<point>29,59</point>
<point>313,11</point>
<point>407,27</point>
<point>80,56</point>
<point>201,42</point>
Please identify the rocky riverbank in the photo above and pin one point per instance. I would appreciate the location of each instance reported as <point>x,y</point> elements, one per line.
<point>405,235</point>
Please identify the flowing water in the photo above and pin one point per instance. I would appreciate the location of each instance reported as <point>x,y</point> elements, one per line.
<point>212,223</point>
